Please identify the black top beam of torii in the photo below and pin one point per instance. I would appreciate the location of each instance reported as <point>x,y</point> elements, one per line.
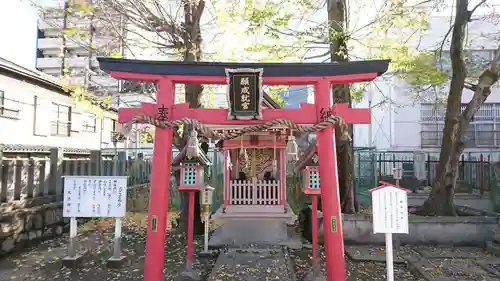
<point>219,68</point>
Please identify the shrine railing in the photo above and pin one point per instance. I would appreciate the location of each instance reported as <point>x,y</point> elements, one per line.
<point>254,192</point>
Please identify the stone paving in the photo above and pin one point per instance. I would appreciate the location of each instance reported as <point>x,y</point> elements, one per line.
<point>252,264</point>
<point>437,263</point>
<point>377,253</point>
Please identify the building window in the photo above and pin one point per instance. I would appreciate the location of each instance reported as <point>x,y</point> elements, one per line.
<point>61,124</point>
<point>432,134</point>
<point>483,131</point>
<point>475,60</point>
<point>114,124</point>
<point>90,123</point>
<point>6,111</point>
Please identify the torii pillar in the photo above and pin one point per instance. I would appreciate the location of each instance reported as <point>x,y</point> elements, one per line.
<point>160,185</point>
<point>329,186</point>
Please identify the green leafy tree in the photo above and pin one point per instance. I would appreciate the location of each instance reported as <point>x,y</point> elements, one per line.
<point>295,30</point>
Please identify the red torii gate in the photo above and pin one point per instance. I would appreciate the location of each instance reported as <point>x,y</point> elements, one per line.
<point>322,75</point>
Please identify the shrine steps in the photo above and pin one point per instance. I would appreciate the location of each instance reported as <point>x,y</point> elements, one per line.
<point>242,225</point>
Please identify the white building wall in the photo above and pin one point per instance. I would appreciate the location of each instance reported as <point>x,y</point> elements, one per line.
<point>406,122</point>
<point>377,97</point>
<point>28,130</point>
<point>396,122</point>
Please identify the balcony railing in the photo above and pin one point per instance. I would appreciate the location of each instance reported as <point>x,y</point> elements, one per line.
<point>472,139</point>
<point>83,62</point>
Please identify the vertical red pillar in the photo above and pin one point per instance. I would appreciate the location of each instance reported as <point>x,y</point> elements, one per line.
<point>332,225</point>
<point>314,226</point>
<point>190,237</point>
<point>226,179</point>
<point>282,155</point>
<point>158,196</point>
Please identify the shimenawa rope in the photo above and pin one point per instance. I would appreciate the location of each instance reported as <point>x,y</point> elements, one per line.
<point>226,135</point>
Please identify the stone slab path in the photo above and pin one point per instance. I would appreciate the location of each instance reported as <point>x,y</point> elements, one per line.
<point>440,263</point>
<point>455,263</point>
<point>252,264</point>
<point>377,254</point>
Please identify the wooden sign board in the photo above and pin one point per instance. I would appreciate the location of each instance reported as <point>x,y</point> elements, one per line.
<point>94,196</point>
<point>244,93</point>
<point>390,210</point>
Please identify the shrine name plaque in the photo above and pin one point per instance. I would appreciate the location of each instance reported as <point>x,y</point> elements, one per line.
<point>244,93</point>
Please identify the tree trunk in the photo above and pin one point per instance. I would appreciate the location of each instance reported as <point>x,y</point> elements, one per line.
<point>193,52</point>
<point>341,94</point>
<point>441,198</point>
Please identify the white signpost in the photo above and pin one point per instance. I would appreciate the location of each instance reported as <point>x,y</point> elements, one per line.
<point>419,165</point>
<point>390,215</point>
<point>94,197</point>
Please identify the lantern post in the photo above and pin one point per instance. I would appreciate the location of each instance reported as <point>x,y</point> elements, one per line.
<point>206,201</point>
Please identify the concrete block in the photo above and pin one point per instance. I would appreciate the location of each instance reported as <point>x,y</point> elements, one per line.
<point>207,254</point>
<point>72,261</point>
<point>189,275</point>
<point>458,231</point>
<point>115,262</point>
<point>493,247</point>
<point>311,277</point>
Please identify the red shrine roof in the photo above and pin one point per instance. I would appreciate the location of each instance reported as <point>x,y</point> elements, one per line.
<point>202,157</point>
<point>388,184</point>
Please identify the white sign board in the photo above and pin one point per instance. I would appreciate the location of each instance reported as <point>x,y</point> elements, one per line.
<point>390,210</point>
<point>206,198</point>
<point>95,196</point>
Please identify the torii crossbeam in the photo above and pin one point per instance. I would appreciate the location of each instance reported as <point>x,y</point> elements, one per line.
<point>322,75</point>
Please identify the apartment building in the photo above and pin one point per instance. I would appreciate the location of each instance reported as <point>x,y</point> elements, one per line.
<point>35,110</point>
<point>85,39</point>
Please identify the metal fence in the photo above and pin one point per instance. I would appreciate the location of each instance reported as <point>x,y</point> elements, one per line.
<point>475,170</point>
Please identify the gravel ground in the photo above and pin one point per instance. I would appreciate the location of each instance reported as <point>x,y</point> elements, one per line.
<point>44,262</point>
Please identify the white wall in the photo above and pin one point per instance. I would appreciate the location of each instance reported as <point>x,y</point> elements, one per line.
<point>406,127</point>
<point>379,93</point>
<point>20,96</point>
<point>482,33</point>
<point>406,118</point>
<point>18,28</point>
<point>396,124</point>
